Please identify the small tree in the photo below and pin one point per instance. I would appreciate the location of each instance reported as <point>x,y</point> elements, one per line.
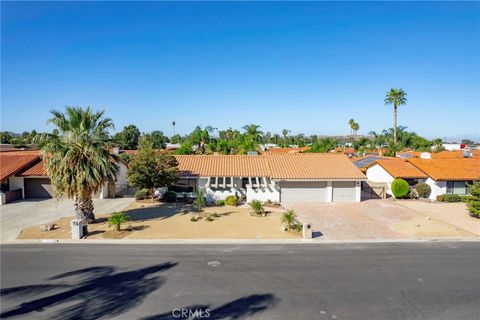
<point>257,207</point>
<point>474,202</point>
<point>200,202</point>
<point>289,218</point>
<point>400,188</point>
<point>150,169</point>
<point>117,218</point>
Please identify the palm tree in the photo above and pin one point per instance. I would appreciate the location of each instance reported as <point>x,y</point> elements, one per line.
<point>252,130</point>
<point>289,218</point>
<point>397,97</point>
<point>355,128</point>
<point>77,160</point>
<point>351,122</point>
<point>285,133</point>
<point>173,124</point>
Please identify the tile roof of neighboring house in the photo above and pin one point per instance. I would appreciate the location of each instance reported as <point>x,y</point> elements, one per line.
<point>222,165</point>
<point>457,154</point>
<point>37,169</point>
<point>398,168</point>
<point>312,166</point>
<point>288,150</point>
<point>363,162</point>
<point>276,166</point>
<point>409,154</point>
<point>345,150</point>
<point>11,162</point>
<point>449,169</point>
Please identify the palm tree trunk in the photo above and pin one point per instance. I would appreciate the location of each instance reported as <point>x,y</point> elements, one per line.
<point>88,207</point>
<point>395,124</point>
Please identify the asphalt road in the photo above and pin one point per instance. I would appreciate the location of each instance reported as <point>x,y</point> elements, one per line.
<point>302,281</point>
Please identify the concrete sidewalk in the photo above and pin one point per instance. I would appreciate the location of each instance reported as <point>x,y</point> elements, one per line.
<point>16,216</point>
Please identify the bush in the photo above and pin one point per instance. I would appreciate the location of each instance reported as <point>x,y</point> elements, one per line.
<point>467,199</point>
<point>142,194</point>
<point>423,189</point>
<point>449,198</point>
<point>298,227</point>
<point>288,218</point>
<point>117,218</point>
<point>200,200</point>
<point>257,207</point>
<point>193,219</point>
<point>474,201</point>
<point>413,194</point>
<point>400,188</point>
<point>231,201</point>
<point>169,196</point>
<point>220,202</point>
<point>209,218</point>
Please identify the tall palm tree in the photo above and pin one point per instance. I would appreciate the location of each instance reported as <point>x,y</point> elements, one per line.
<point>173,124</point>
<point>351,122</point>
<point>77,160</point>
<point>252,130</point>
<point>397,97</point>
<point>285,133</point>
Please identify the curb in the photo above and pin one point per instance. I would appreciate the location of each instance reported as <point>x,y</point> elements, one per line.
<point>236,241</point>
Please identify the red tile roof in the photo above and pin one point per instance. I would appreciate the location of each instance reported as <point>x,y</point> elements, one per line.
<point>449,169</point>
<point>37,169</point>
<point>222,165</point>
<point>12,162</point>
<point>457,154</point>
<point>398,168</point>
<point>288,150</point>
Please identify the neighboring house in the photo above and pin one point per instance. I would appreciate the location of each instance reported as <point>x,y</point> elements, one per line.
<point>448,176</point>
<point>456,154</point>
<point>363,162</point>
<point>387,170</point>
<point>23,176</point>
<point>288,150</point>
<point>283,178</point>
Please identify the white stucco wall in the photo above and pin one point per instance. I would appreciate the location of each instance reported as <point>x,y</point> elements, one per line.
<point>213,195</point>
<point>122,174</point>
<point>17,183</point>
<point>377,174</point>
<point>438,188</point>
<point>263,194</point>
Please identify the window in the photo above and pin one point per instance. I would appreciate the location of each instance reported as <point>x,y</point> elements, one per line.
<point>456,187</point>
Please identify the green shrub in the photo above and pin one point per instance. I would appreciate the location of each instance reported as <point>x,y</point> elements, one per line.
<point>257,207</point>
<point>400,188</point>
<point>142,194</point>
<point>220,202</point>
<point>298,227</point>
<point>288,218</point>
<point>209,218</point>
<point>200,200</point>
<point>169,196</point>
<point>423,189</point>
<point>449,198</point>
<point>231,201</point>
<point>117,218</point>
<point>467,199</point>
<point>474,202</point>
<point>193,219</point>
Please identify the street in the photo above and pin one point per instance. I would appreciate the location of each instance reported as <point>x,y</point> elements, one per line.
<point>232,281</point>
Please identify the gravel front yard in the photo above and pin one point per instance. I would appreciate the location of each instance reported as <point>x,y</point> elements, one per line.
<point>172,221</point>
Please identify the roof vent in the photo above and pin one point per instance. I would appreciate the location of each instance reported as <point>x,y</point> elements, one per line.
<point>252,153</point>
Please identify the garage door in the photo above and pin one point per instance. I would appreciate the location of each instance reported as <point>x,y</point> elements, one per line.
<point>38,188</point>
<point>344,191</point>
<point>305,191</point>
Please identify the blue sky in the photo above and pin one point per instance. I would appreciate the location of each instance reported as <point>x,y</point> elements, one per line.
<point>307,67</point>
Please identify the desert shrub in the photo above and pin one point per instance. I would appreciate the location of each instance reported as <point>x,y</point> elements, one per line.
<point>209,218</point>
<point>200,200</point>
<point>449,198</point>
<point>169,196</point>
<point>220,202</point>
<point>400,188</point>
<point>231,201</point>
<point>257,207</point>
<point>142,194</point>
<point>412,194</point>
<point>474,201</point>
<point>298,227</point>
<point>423,189</point>
<point>117,218</point>
<point>288,218</point>
<point>193,219</point>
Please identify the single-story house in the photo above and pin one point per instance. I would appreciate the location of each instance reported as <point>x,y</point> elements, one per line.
<point>444,176</point>
<point>23,176</point>
<point>387,170</point>
<point>448,176</point>
<point>286,178</point>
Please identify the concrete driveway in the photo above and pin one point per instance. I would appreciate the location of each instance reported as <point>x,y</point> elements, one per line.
<point>373,219</point>
<point>16,216</point>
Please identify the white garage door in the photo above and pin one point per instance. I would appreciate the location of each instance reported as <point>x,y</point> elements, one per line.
<point>303,191</point>
<point>344,191</point>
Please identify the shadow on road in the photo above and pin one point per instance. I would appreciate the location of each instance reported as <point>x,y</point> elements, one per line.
<point>236,309</point>
<point>89,293</point>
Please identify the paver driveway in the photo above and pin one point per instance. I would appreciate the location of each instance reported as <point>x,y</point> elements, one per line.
<point>371,219</point>
<point>16,216</point>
